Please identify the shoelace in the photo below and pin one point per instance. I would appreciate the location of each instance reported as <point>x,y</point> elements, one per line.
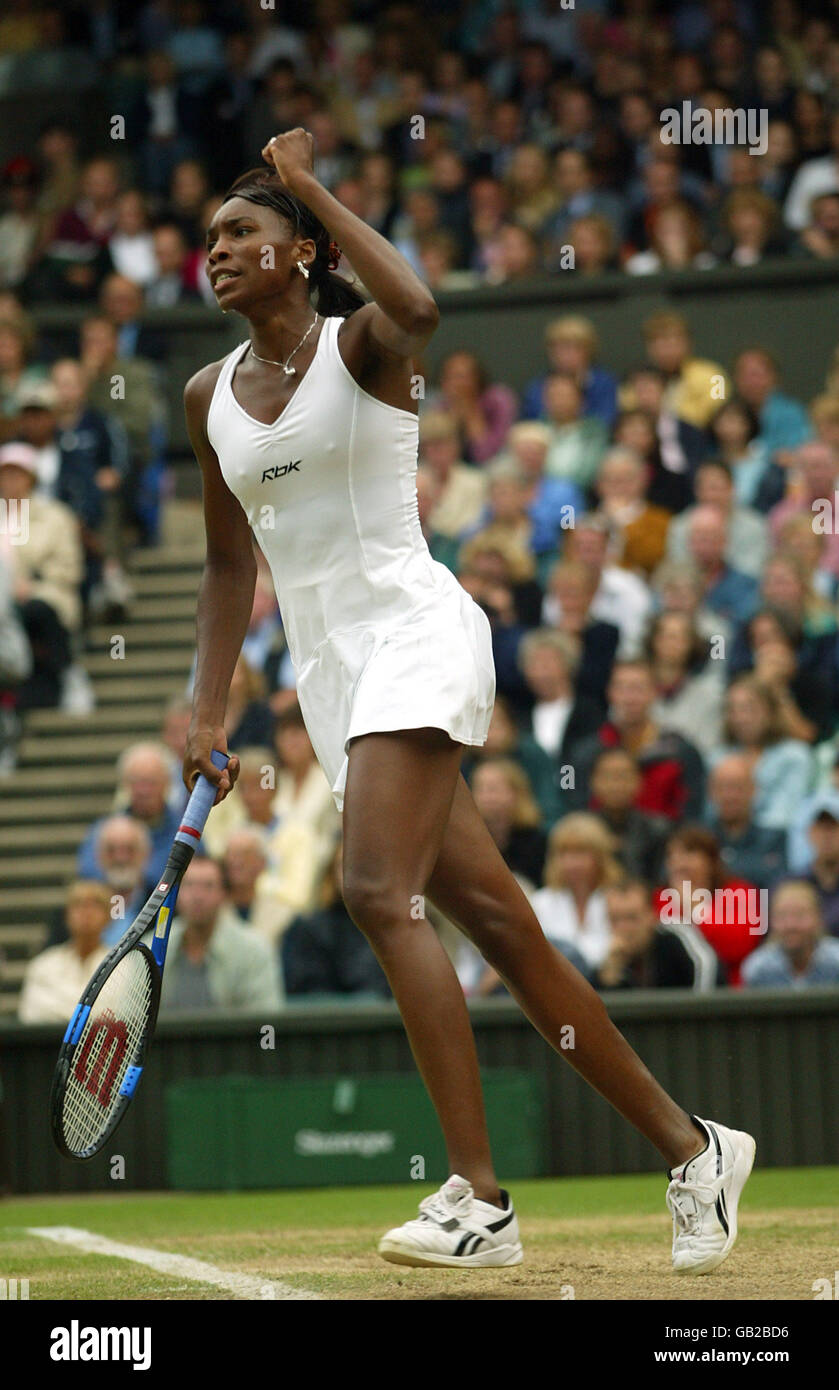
<point>435,1208</point>
<point>702,1192</point>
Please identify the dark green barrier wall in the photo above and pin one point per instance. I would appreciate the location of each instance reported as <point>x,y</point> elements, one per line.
<point>247,1132</point>
<point>767,1062</point>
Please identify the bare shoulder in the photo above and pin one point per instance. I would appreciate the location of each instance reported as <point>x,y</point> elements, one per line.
<point>198,391</point>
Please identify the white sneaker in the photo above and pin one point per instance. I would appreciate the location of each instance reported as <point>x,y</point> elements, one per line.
<point>703,1196</point>
<point>454,1228</point>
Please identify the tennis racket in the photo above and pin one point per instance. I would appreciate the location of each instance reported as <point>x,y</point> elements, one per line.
<point>104,1048</point>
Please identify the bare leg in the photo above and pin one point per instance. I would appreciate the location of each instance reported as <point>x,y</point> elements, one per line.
<point>397,804</point>
<point>473,886</point>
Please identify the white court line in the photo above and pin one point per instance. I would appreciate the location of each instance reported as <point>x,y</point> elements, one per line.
<point>180,1266</point>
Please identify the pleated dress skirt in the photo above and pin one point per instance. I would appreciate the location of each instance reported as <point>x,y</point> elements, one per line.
<point>433,668</point>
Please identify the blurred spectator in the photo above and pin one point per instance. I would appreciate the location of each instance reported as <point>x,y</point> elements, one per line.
<point>168,285</point>
<point>706,902</point>
<point>462,488</point>
<point>143,784</point>
<point>121,300</point>
<point>787,587</point>
<point>642,954</point>
<point>672,772</point>
<point>214,962</point>
<point>17,338</point>
<point>694,384</point>
<point>429,496</point>
<point>746,529</point>
<point>127,390</point>
<point>679,588</point>
<point>748,850</point>
<point>782,767</point>
<point>559,717</point>
<point>516,255</point>
<point>728,592</point>
<point>122,849</point>
<point>554,503</point>
<point>820,238</point>
<point>161,121</point>
<point>799,842</point>
<point>533,197</point>
<point>75,260</point>
<point>59,169</point>
<point>671,447</point>
<point>591,247</point>
<point>503,795</point>
<point>55,980</point>
<point>247,716</point>
<point>639,837</point>
<point>503,561</point>
<point>303,792</point>
<point>690,685</point>
<point>259,896</point>
<point>813,474</point>
<point>189,189</point>
<point>174,732</point>
<point>292,854</point>
<point>575,181</point>
<point>20,220</point>
<point>639,531</point>
<point>580,867</point>
<point>506,511</point>
<point>823,872</point>
<point>783,421</point>
<point>506,740</point>
<point>577,443</point>
<point>814,177</point>
<point>736,430</point>
<point>325,953</point>
<point>46,577</point>
<point>677,242</point>
<point>797,954</point>
<point>619,598</point>
<point>750,221</point>
<point>483,412</point>
<point>93,464</point>
<point>800,669</point>
<point>572,346</point>
<point>131,245</point>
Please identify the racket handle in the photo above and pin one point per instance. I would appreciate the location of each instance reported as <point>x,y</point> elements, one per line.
<point>198,807</point>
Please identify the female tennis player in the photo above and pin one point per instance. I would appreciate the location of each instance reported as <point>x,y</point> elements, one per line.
<point>306,433</point>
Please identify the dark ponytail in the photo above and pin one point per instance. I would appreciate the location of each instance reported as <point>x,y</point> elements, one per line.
<point>337,296</point>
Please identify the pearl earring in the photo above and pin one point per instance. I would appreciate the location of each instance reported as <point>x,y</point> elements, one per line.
<point>304,270</point>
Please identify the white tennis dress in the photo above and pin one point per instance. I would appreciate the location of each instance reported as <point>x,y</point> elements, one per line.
<point>381,635</point>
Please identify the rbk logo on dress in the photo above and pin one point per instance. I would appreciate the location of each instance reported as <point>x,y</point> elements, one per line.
<point>281,470</point>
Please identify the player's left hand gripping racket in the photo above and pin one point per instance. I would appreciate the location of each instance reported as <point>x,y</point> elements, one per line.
<point>102,1054</point>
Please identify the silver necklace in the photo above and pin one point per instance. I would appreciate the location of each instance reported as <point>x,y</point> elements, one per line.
<point>289,371</point>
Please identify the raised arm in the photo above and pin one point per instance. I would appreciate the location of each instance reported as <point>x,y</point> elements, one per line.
<point>404,315</point>
<point>225,597</point>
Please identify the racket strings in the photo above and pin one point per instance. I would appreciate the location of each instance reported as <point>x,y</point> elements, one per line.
<point>108,1045</point>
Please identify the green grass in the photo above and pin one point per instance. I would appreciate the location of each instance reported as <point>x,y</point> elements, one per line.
<point>324,1239</point>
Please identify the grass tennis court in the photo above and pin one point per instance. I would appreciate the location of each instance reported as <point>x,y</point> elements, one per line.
<point>605,1238</point>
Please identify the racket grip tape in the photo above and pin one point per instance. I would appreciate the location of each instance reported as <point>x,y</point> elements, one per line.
<point>200,802</point>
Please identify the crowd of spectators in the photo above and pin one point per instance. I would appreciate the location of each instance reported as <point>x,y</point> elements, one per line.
<point>662,767</point>
<point>489,141</point>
